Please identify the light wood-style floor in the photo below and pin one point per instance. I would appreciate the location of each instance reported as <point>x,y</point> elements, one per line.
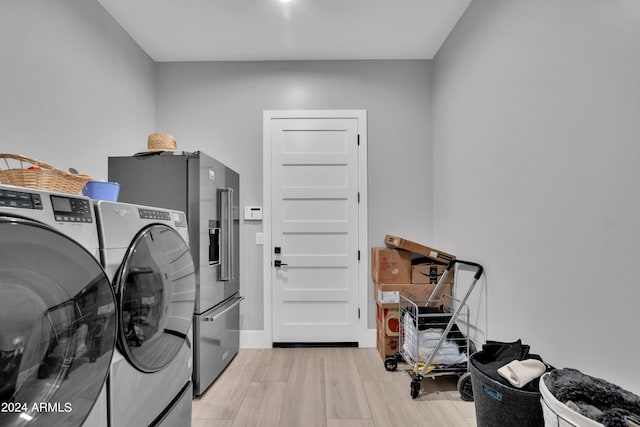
<point>333,387</point>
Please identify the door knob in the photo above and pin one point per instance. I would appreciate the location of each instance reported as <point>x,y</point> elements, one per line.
<point>278,263</point>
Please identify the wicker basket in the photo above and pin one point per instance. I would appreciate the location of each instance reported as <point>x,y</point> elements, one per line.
<point>39,175</point>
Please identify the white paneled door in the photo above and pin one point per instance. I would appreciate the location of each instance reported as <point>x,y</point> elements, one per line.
<point>314,229</point>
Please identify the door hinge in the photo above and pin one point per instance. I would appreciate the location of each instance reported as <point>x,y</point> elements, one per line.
<point>358,197</point>
<point>358,312</point>
<point>358,254</point>
<point>358,139</point>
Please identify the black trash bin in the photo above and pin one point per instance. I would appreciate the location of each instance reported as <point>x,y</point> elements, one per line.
<point>498,404</point>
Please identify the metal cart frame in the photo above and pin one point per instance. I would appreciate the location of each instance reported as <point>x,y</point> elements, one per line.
<point>439,313</point>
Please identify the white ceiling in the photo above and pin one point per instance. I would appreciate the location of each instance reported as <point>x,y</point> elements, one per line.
<point>256,30</point>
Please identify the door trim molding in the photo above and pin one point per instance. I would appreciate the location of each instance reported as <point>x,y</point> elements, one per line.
<point>364,339</point>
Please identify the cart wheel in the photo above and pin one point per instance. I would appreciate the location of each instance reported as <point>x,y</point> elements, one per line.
<point>464,387</point>
<point>391,363</point>
<point>416,384</point>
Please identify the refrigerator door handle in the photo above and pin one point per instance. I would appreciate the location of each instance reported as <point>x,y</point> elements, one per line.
<point>230,248</point>
<point>226,210</point>
<point>232,305</point>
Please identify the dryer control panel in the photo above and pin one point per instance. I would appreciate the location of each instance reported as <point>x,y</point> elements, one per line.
<point>20,199</point>
<point>71,209</point>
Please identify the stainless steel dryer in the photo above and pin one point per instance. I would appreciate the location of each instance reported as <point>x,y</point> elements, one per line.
<point>57,311</point>
<point>145,253</point>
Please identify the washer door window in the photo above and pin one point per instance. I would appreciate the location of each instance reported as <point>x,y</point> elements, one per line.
<point>156,291</point>
<point>57,326</point>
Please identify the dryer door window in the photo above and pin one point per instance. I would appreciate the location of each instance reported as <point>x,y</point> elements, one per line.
<point>57,326</point>
<point>156,293</point>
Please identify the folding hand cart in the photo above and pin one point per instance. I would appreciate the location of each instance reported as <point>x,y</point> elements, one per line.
<point>434,336</point>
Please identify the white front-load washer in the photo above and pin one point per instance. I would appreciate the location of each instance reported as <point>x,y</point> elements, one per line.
<point>57,311</point>
<point>145,253</point>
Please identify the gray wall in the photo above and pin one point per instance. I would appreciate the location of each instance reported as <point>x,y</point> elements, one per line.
<point>536,120</point>
<point>217,108</point>
<point>75,87</point>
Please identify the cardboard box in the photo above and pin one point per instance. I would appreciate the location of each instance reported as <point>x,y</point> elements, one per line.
<point>387,295</point>
<point>426,273</point>
<point>390,265</point>
<point>408,245</point>
<point>388,319</point>
<point>387,346</point>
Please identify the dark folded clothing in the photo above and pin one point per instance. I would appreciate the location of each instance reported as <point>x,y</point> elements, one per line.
<point>495,355</point>
<point>428,318</point>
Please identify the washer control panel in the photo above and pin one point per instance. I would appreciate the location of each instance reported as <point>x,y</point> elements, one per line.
<point>154,214</point>
<point>71,209</point>
<point>20,199</point>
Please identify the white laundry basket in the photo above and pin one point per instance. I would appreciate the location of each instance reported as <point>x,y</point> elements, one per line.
<point>557,414</point>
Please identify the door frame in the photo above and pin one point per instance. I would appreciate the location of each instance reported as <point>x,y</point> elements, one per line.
<point>363,245</point>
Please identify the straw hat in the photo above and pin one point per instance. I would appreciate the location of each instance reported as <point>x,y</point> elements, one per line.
<point>160,141</point>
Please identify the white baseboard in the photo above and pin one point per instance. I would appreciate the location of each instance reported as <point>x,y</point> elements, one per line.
<point>257,339</point>
<point>369,340</point>
<point>253,339</point>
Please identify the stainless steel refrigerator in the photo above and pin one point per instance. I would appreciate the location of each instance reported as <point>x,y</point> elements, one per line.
<point>208,192</point>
